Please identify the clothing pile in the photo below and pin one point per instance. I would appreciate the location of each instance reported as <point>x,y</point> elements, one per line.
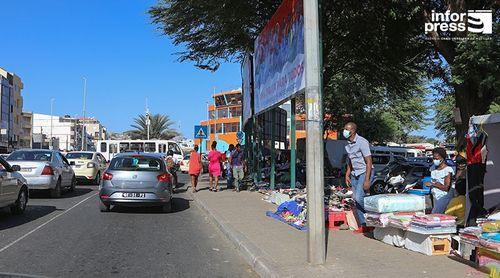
<point>432,224</point>
<point>401,220</point>
<point>292,212</point>
<point>488,251</point>
<point>470,235</point>
<point>374,219</point>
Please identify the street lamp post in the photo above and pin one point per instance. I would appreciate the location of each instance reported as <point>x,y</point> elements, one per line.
<point>51,122</point>
<point>83,119</point>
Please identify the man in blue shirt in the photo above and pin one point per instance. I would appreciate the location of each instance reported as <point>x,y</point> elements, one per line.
<point>359,172</point>
<point>237,161</point>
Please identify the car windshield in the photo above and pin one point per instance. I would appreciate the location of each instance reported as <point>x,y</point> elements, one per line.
<point>138,163</point>
<point>30,156</point>
<point>87,156</point>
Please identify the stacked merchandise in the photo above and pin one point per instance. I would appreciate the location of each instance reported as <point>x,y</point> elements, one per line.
<point>470,235</point>
<point>401,220</point>
<point>488,255</point>
<point>432,224</point>
<point>380,208</point>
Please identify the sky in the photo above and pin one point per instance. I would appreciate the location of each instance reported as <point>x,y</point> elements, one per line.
<point>53,44</point>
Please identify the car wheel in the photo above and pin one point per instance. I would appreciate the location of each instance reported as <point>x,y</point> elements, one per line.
<point>73,184</point>
<point>20,205</point>
<point>56,192</point>
<point>167,207</point>
<point>97,179</point>
<point>103,207</point>
<point>377,188</point>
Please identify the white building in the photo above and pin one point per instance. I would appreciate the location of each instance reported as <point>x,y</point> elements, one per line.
<point>63,130</point>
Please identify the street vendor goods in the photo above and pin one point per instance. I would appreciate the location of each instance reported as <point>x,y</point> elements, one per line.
<point>385,203</point>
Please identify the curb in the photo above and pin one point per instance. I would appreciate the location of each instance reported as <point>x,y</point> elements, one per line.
<point>253,255</point>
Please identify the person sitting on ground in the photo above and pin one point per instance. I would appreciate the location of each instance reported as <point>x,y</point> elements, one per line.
<point>456,206</point>
<point>441,179</point>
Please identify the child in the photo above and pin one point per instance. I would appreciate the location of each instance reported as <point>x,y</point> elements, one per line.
<point>456,206</point>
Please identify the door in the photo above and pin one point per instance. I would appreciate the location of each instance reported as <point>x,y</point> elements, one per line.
<point>102,162</point>
<point>8,184</point>
<point>67,172</point>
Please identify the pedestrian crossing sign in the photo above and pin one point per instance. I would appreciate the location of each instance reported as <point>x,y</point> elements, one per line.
<point>201,131</point>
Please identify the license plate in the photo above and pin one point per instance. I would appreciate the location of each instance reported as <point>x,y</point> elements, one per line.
<point>25,169</point>
<point>134,195</point>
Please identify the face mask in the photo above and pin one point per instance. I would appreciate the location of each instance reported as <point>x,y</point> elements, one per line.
<point>346,133</point>
<point>437,162</point>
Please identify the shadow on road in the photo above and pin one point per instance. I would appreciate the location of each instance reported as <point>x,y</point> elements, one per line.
<point>32,213</point>
<point>37,194</point>
<point>179,204</point>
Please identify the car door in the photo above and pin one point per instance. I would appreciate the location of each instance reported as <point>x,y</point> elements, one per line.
<point>67,172</point>
<point>8,183</point>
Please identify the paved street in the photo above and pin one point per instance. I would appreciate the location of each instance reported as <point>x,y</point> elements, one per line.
<point>69,237</point>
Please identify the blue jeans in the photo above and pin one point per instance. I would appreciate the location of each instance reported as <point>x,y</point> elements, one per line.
<point>359,196</point>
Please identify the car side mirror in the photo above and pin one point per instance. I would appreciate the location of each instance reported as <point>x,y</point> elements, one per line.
<point>15,168</point>
<point>72,163</point>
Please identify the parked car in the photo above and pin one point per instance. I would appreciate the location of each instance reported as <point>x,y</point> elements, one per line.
<point>88,166</point>
<point>14,191</point>
<point>380,161</point>
<point>45,170</point>
<point>136,179</point>
<point>184,164</point>
<point>422,161</point>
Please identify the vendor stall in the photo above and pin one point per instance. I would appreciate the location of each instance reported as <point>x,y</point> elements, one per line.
<point>483,166</point>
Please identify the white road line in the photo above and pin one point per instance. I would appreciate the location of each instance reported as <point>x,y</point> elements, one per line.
<point>45,223</point>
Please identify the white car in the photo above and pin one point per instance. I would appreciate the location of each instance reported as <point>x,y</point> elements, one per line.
<point>88,166</point>
<point>44,170</point>
<point>184,164</point>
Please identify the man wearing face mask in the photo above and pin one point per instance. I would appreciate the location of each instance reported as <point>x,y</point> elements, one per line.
<point>359,172</point>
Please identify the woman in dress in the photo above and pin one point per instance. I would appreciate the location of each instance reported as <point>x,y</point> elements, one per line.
<point>441,179</point>
<point>214,158</point>
<point>194,167</point>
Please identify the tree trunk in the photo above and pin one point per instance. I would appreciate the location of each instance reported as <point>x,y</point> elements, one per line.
<point>470,104</point>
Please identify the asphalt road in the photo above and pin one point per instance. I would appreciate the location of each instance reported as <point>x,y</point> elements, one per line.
<point>69,237</point>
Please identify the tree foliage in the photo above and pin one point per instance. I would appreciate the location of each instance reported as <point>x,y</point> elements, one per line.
<point>160,128</point>
<point>376,57</point>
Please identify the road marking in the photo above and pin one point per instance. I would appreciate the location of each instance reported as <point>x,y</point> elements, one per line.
<point>45,223</point>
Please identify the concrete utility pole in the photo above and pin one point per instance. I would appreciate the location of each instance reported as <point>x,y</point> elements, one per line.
<point>316,245</point>
<point>83,119</point>
<point>51,123</point>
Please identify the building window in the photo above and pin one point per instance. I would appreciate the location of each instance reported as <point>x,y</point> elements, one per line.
<point>212,129</point>
<point>235,111</point>
<point>300,125</point>
<point>219,128</point>
<point>231,127</point>
<point>211,114</point>
<point>222,113</point>
<point>104,146</point>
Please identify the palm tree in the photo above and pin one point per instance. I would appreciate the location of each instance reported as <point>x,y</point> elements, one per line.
<point>159,128</point>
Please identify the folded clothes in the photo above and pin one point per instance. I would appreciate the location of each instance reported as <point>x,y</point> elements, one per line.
<point>432,231</point>
<point>494,237</point>
<point>491,226</point>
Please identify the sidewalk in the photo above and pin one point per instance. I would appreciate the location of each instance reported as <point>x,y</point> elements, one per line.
<point>275,249</point>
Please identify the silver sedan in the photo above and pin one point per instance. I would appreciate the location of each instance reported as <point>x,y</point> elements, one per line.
<point>44,170</point>
<point>136,179</point>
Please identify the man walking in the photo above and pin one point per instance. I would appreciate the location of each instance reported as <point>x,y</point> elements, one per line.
<point>237,162</point>
<point>359,167</point>
<point>229,168</point>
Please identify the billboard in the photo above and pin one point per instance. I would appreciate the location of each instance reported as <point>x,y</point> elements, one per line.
<point>279,57</point>
<point>246,76</point>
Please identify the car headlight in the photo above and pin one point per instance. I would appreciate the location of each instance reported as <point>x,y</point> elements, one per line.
<point>91,165</point>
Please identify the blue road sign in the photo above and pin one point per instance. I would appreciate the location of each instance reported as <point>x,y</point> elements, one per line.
<point>201,131</point>
<point>240,135</point>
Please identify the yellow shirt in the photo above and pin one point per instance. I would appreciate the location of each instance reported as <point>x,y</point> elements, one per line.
<point>456,207</point>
